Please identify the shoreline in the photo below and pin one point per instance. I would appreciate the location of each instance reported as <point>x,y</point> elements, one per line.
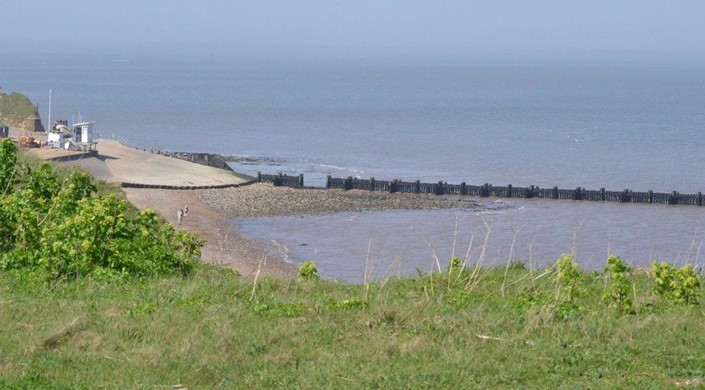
<point>225,245</point>
<point>212,210</point>
<point>168,184</point>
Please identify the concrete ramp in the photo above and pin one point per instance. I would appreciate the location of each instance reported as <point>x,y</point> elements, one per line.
<point>117,163</point>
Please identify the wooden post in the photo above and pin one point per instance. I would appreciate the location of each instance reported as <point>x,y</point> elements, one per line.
<point>259,176</point>
<point>439,188</point>
<point>509,190</point>
<point>576,194</point>
<point>328,178</point>
<point>372,184</point>
<point>699,199</point>
<point>277,180</point>
<point>673,199</point>
<point>417,187</point>
<point>485,190</point>
<point>555,192</point>
<point>393,186</point>
<point>603,196</point>
<point>301,180</point>
<point>651,196</point>
<point>624,197</point>
<point>463,189</point>
<point>348,183</point>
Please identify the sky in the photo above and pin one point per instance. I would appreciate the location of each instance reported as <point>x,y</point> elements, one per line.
<point>340,26</point>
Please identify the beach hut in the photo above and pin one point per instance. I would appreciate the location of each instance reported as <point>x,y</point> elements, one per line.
<point>83,133</point>
<point>4,130</point>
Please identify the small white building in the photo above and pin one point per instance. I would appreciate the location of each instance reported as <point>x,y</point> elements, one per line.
<point>83,133</point>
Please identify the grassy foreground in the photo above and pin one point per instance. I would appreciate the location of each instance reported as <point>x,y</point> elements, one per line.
<point>505,327</point>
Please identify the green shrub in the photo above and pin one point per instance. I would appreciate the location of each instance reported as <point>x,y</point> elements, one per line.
<point>568,277</point>
<point>676,285</point>
<point>616,293</point>
<point>308,271</point>
<point>67,231</point>
<point>8,159</point>
<point>455,264</point>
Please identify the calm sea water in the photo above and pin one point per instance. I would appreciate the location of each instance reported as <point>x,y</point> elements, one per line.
<point>591,125</point>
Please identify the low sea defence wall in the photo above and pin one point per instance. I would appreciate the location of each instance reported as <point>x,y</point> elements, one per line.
<point>209,159</point>
<point>74,157</point>
<point>172,187</point>
<point>488,190</point>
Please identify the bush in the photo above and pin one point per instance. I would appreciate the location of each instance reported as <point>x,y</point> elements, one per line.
<point>617,290</point>
<point>8,160</point>
<point>568,277</point>
<point>676,285</point>
<point>68,231</point>
<point>308,271</point>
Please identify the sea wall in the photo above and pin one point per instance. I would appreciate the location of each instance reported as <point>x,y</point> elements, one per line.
<point>209,159</point>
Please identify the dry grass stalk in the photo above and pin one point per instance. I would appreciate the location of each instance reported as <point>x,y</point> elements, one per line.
<point>254,283</point>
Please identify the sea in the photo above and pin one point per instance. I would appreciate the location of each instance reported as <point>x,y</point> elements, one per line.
<point>615,123</point>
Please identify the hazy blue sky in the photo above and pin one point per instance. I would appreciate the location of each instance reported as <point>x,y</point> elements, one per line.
<point>340,25</point>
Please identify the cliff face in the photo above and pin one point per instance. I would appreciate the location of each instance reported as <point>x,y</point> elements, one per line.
<point>16,110</point>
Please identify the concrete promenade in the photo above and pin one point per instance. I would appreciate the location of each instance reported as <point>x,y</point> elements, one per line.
<point>117,163</point>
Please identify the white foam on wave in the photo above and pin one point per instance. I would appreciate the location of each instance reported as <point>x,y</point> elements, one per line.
<point>283,251</point>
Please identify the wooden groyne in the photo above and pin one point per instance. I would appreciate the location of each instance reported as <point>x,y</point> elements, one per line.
<point>487,190</point>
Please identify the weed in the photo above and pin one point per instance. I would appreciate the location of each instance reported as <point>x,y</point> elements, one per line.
<point>616,293</point>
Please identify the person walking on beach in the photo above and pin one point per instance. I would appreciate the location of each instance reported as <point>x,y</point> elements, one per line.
<point>185,211</point>
<point>180,215</point>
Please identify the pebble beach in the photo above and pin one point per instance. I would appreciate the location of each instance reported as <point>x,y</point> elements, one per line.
<point>260,200</point>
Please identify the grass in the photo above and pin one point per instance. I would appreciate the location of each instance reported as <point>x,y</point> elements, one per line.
<point>15,108</point>
<point>506,329</point>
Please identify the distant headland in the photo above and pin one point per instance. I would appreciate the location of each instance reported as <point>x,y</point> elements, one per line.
<point>16,110</point>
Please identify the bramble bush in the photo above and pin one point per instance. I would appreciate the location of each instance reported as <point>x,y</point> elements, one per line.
<point>68,231</point>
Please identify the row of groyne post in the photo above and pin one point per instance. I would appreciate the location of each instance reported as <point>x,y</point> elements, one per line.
<point>463,189</point>
<point>490,191</point>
